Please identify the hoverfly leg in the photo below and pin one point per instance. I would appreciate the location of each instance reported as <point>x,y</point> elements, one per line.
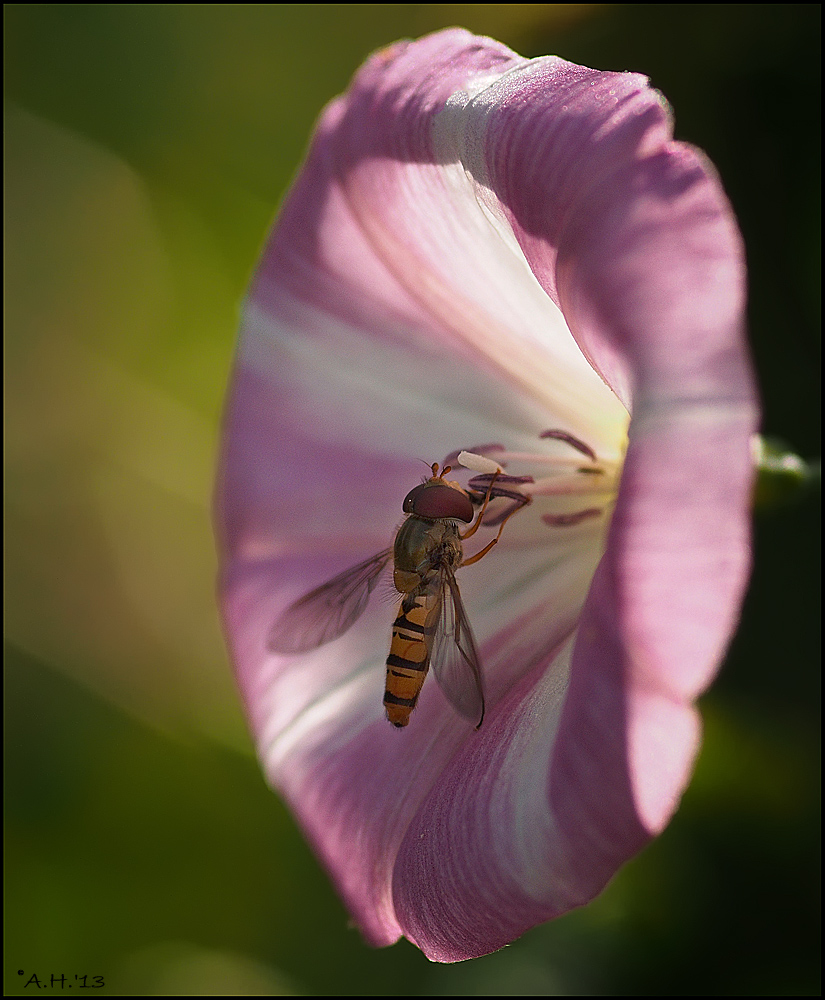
<point>477,525</point>
<point>489,545</point>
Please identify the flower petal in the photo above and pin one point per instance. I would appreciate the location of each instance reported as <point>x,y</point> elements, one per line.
<point>461,211</point>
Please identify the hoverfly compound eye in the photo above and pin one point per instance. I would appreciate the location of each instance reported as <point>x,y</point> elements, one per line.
<point>436,500</point>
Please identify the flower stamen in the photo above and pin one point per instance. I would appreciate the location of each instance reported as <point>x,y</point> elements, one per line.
<point>570,439</point>
<point>568,520</point>
<point>566,477</point>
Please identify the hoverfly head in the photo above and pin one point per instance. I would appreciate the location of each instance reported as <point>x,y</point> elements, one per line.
<point>438,498</point>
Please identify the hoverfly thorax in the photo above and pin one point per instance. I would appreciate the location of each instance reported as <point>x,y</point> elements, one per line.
<point>420,547</point>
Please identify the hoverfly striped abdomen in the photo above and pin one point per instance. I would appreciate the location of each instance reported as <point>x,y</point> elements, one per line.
<point>425,549</point>
<point>413,632</point>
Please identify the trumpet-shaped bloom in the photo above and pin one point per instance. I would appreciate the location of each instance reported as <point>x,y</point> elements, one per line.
<point>511,257</point>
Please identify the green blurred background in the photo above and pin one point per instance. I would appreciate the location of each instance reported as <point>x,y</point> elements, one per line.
<point>147,148</point>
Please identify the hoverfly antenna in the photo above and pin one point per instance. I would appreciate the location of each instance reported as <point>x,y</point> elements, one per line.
<point>434,468</point>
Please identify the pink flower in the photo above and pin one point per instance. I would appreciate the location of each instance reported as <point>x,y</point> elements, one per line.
<point>483,248</point>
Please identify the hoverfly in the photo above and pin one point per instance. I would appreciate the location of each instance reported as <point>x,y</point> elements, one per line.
<point>431,627</point>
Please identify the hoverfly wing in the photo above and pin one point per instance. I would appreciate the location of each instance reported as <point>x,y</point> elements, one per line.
<point>455,661</point>
<point>328,611</point>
